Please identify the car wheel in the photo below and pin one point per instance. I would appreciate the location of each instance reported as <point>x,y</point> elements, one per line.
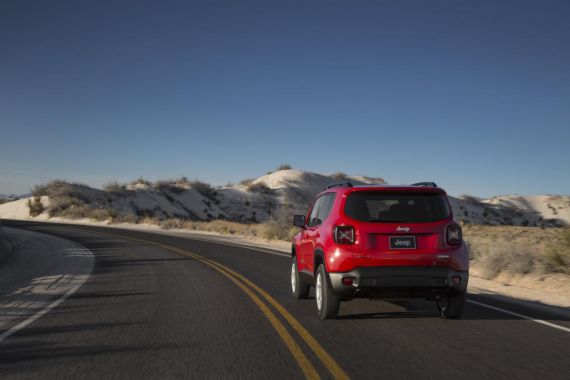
<point>451,307</point>
<point>328,304</point>
<point>298,287</point>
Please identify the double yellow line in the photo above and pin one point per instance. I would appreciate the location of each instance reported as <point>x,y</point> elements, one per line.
<point>250,289</point>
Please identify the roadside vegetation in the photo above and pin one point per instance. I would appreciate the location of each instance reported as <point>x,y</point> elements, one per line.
<point>509,250</point>
<point>272,230</point>
<point>35,205</point>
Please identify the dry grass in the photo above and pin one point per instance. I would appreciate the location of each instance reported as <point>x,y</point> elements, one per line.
<point>557,254</point>
<point>267,231</point>
<point>499,250</point>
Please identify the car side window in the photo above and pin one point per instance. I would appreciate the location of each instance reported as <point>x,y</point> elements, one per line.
<point>325,208</point>
<point>313,221</point>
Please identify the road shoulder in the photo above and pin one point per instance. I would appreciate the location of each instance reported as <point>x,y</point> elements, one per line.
<point>42,272</point>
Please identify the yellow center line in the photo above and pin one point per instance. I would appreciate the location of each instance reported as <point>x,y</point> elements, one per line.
<point>322,354</point>
<point>304,363</point>
<point>309,371</point>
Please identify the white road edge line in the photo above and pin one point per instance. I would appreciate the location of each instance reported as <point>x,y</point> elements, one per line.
<point>48,308</point>
<point>553,325</point>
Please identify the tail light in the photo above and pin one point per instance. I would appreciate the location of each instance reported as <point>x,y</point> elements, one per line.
<point>343,235</point>
<point>454,234</point>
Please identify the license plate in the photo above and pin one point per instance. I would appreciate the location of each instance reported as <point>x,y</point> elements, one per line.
<point>402,242</point>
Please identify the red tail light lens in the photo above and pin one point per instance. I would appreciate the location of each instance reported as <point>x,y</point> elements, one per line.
<point>343,235</point>
<point>454,234</point>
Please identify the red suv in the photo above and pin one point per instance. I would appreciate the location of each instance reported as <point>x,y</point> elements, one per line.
<point>380,242</point>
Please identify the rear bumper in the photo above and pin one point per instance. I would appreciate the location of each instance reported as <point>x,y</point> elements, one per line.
<point>399,282</point>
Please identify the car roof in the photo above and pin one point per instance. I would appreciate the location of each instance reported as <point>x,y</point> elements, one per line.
<point>383,187</point>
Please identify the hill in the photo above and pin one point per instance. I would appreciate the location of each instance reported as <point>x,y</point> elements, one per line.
<point>273,196</point>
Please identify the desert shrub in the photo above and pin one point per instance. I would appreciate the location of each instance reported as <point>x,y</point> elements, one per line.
<point>173,186</point>
<point>114,187</point>
<point>171,224</point>
<point>274,230</point>
<point>280,227</point>
<point>35,206</point>
<point>246,182</point>
<point>46,189</point>
<point>518,250</point>
<point>101,214</point>
<point>123,217</point>
<point>284,167</point>
<point>557,255</point>
<point>67,207</point>
<point>60,188</point>
<point>72,209</point>
<point>205,189</point>
<point>508,258</point>
<point>259,187</point>
<point>152,220</point>
<point>340,176</point>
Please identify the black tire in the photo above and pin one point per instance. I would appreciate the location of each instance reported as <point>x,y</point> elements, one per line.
<point>451,307</point>
<point>299,289</point>
<point>328,304</point>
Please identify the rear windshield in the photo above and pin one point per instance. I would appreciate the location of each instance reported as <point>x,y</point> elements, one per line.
<point>370,206</point>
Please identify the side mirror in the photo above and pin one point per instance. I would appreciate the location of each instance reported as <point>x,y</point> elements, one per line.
<point>299,221</point>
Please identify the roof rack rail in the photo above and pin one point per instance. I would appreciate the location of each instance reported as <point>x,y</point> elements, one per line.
<point>342,184</point>
<point>424,184</point>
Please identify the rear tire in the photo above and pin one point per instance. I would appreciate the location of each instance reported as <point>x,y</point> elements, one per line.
<point>299,289</point>
<point>451,307</point>
<point>328,304</point>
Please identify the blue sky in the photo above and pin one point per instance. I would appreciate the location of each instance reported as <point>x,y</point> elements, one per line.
<point>474,95</point>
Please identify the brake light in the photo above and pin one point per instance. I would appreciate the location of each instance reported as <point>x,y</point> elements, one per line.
<point>343,235</point>
<point>454,234</point>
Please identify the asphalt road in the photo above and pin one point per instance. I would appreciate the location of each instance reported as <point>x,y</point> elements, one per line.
<point>161,307</point>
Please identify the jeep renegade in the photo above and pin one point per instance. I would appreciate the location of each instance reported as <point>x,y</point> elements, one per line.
<point>380,241</point>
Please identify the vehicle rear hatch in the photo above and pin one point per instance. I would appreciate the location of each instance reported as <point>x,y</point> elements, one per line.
<point>399,227</point>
